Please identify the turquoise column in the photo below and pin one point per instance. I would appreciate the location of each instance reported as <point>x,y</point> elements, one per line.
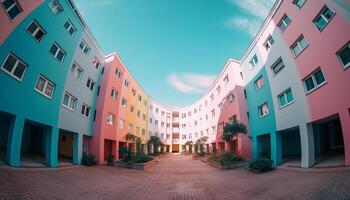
<point>255,147</point>
<point>14,141</point>
<point>51,147</point>
<point>276,148</point>
<point>77,148</point>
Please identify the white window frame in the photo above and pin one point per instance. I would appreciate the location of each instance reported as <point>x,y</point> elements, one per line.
<point>56,5</point>
<point>39,27</point>
<point>110,119</point>
<point>344,65</point>
<point>14,67</point>
<point>320,14</point>
<point>9,8</point>
<point>297,43</point>
<point>85,48</point>
<point>230,98</point>
<point>275,64</point>
<point>295,2</point>
<point>70,97</point>
<point>89,85</point>
<point>87,108</point>
<point>121,124</point>
<point>114,94</point>
<point>312,75</point>
<point>77,67</point>
<point>254,61</point>
<point>71,26</point>
<point>225,80</point>
<point>269,42</point>
<point>257,88</point>
<point>57,51</point>
<point>118,72</point>
<point>47,81</point>
<point>261,106</point>
<point>284,94</point>
<point>283,21</point>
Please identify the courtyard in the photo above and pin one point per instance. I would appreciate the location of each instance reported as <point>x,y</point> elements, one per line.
<point>174,177</point>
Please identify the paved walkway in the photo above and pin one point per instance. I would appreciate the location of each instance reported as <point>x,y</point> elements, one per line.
<point>175,177</point>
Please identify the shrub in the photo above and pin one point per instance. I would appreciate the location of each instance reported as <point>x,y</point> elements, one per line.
<point>110,160</point>
<point>138,158</point>
<point>225,158</point>
<point>261,165</point>
<point>89,159</point>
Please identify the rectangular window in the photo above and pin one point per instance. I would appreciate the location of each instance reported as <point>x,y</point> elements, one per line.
<point>96,63</point>
<point>83,46</point>
<point>254,61</point>
<point>218,89</point>
<point>114,94</point>
<point>268,43</point>
<point>212,97</point>
<point>70,27</point>
<point>69,101</point>
<point>45,87</point>
<point>263,110</point>
<point>90,84</point>
<point>12,8</point>
<point>299,3</point>
<point>226,80</point>
<point>259,83</point>
<point>230,98</point>
<point>55,7</point>
<point>140,98</point>
<point>323,18</point>
<point>213,113</point>
<point>124,101</point>
<point>130,127</point>
<point>14,67</point>
<point>285,21</point>
<point>85,110</point>
<point>110,119</point>
<point>314,81</point>
<point>118,73</point>
<point>277,66</point>
<point>132,108</point>
<point>285,98</point>
<point>35,30</point>
<point>126,83</point>
<point>77,71</point>
<point>344,56</point>
<point>57,52</point>
<point>121,124</point>
<point>299,46</point>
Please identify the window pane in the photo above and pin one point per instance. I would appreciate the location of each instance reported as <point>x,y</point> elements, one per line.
<point>14,12</point>
<point>289,96</point>
<point>72,103</point>
<point>282,100</point>
<point>19,70</point>
<point>83,109</point>
<point>282,26</point>
<point>309,84</point>
<point>66,25</point>
<point>81,45</point>
<point>345,56</point>
<point>60,56</point>
<point>287,20</point>
<point>296,50</point>
<point>49,89</point>
<point>32,27</point>
<point>303,42</point>
<point>8,3</point>
<point>66,99</point>
<point>53,49</point>
<point>71,31</point>
<point>319,77</point>
<point>320,23</point>
<point>40,84</point>
<point>10,63</point>
<point>328,13</point>
<point>39,35</point>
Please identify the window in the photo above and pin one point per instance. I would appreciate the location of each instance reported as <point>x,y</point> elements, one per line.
<point>263,110</point>
<point>285,21</point>
<point>45,87</point>
<point>344,56</point>
<point>36,31</point>
<point>132,108</point>
<point>143,132</point>
<point>213,113</point>
<point>110,119</point>
<point>85,110</point>
<point>189,113</point>
<point>183,115</point>
<point>277,66</point>
<point>144,117</point>
<point>218,89</point>
<point>14,67</point>
<point>130,127</point>
<point>118,73</point>
<point>150,120</point>
<point>162,124</point>
<point>314,81</point>
<point>90,84</point>
<point>254,61</point>
<point>126,83</point>
<point>138,113</point>
<point>189,135</point>
<point>70,27</point>
<point>167,136</point>
<point>121,124</point>
<point>133,91</point>
<point>55,7</point>
<point>299,3</point>
<point>12,8</point>
<point>259,83</point>
<point>212,97</point>
<point>114,94</point>
<point>69,101</point>
<point>230,98</point>
<point>323,18</point>
<point>285,98</point>
<point>162,113</point>
<point>269,42</point>
<point>226,80</point>
<point>83,46</point>
<point>184,137</point>
<point>156,122</point>
<point>157,110</point>
<point>96,63</point>
<point>57,52</point>
<point>124,101</point>
<point>139,98</point>
<point>299,45</point>
<point>77,71</point>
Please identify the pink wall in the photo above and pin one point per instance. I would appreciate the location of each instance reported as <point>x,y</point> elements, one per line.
<point>7,26</point>
<point>321,52</point>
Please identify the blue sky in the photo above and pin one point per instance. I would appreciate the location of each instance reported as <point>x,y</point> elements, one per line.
<point>174,48</point>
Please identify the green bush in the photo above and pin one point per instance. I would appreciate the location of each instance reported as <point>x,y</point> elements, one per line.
<point>89,159</point>
<point>261,165</point>
<point>138,158</point>
<point>225,158</point>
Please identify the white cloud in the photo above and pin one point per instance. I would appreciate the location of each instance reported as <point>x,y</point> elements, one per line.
<point>190,82</point>
<point>250,26</point>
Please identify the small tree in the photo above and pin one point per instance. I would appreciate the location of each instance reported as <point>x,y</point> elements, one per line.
<point>233,128</point>
<point>129,137</point>
<point>138,145</point>
<point>200,142</point>
<point>156,142</point>
<point>189,143</point>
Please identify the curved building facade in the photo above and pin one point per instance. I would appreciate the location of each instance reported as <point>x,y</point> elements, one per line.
<point>290,89</point>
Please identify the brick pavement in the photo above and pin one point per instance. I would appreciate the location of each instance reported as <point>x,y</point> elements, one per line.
<point>175,177</point>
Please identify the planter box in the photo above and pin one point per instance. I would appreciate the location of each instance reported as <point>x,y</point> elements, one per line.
<point>234,165</point>
<point>137,166</point>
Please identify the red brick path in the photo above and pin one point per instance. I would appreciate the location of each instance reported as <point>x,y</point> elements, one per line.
<point>175,177</point>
